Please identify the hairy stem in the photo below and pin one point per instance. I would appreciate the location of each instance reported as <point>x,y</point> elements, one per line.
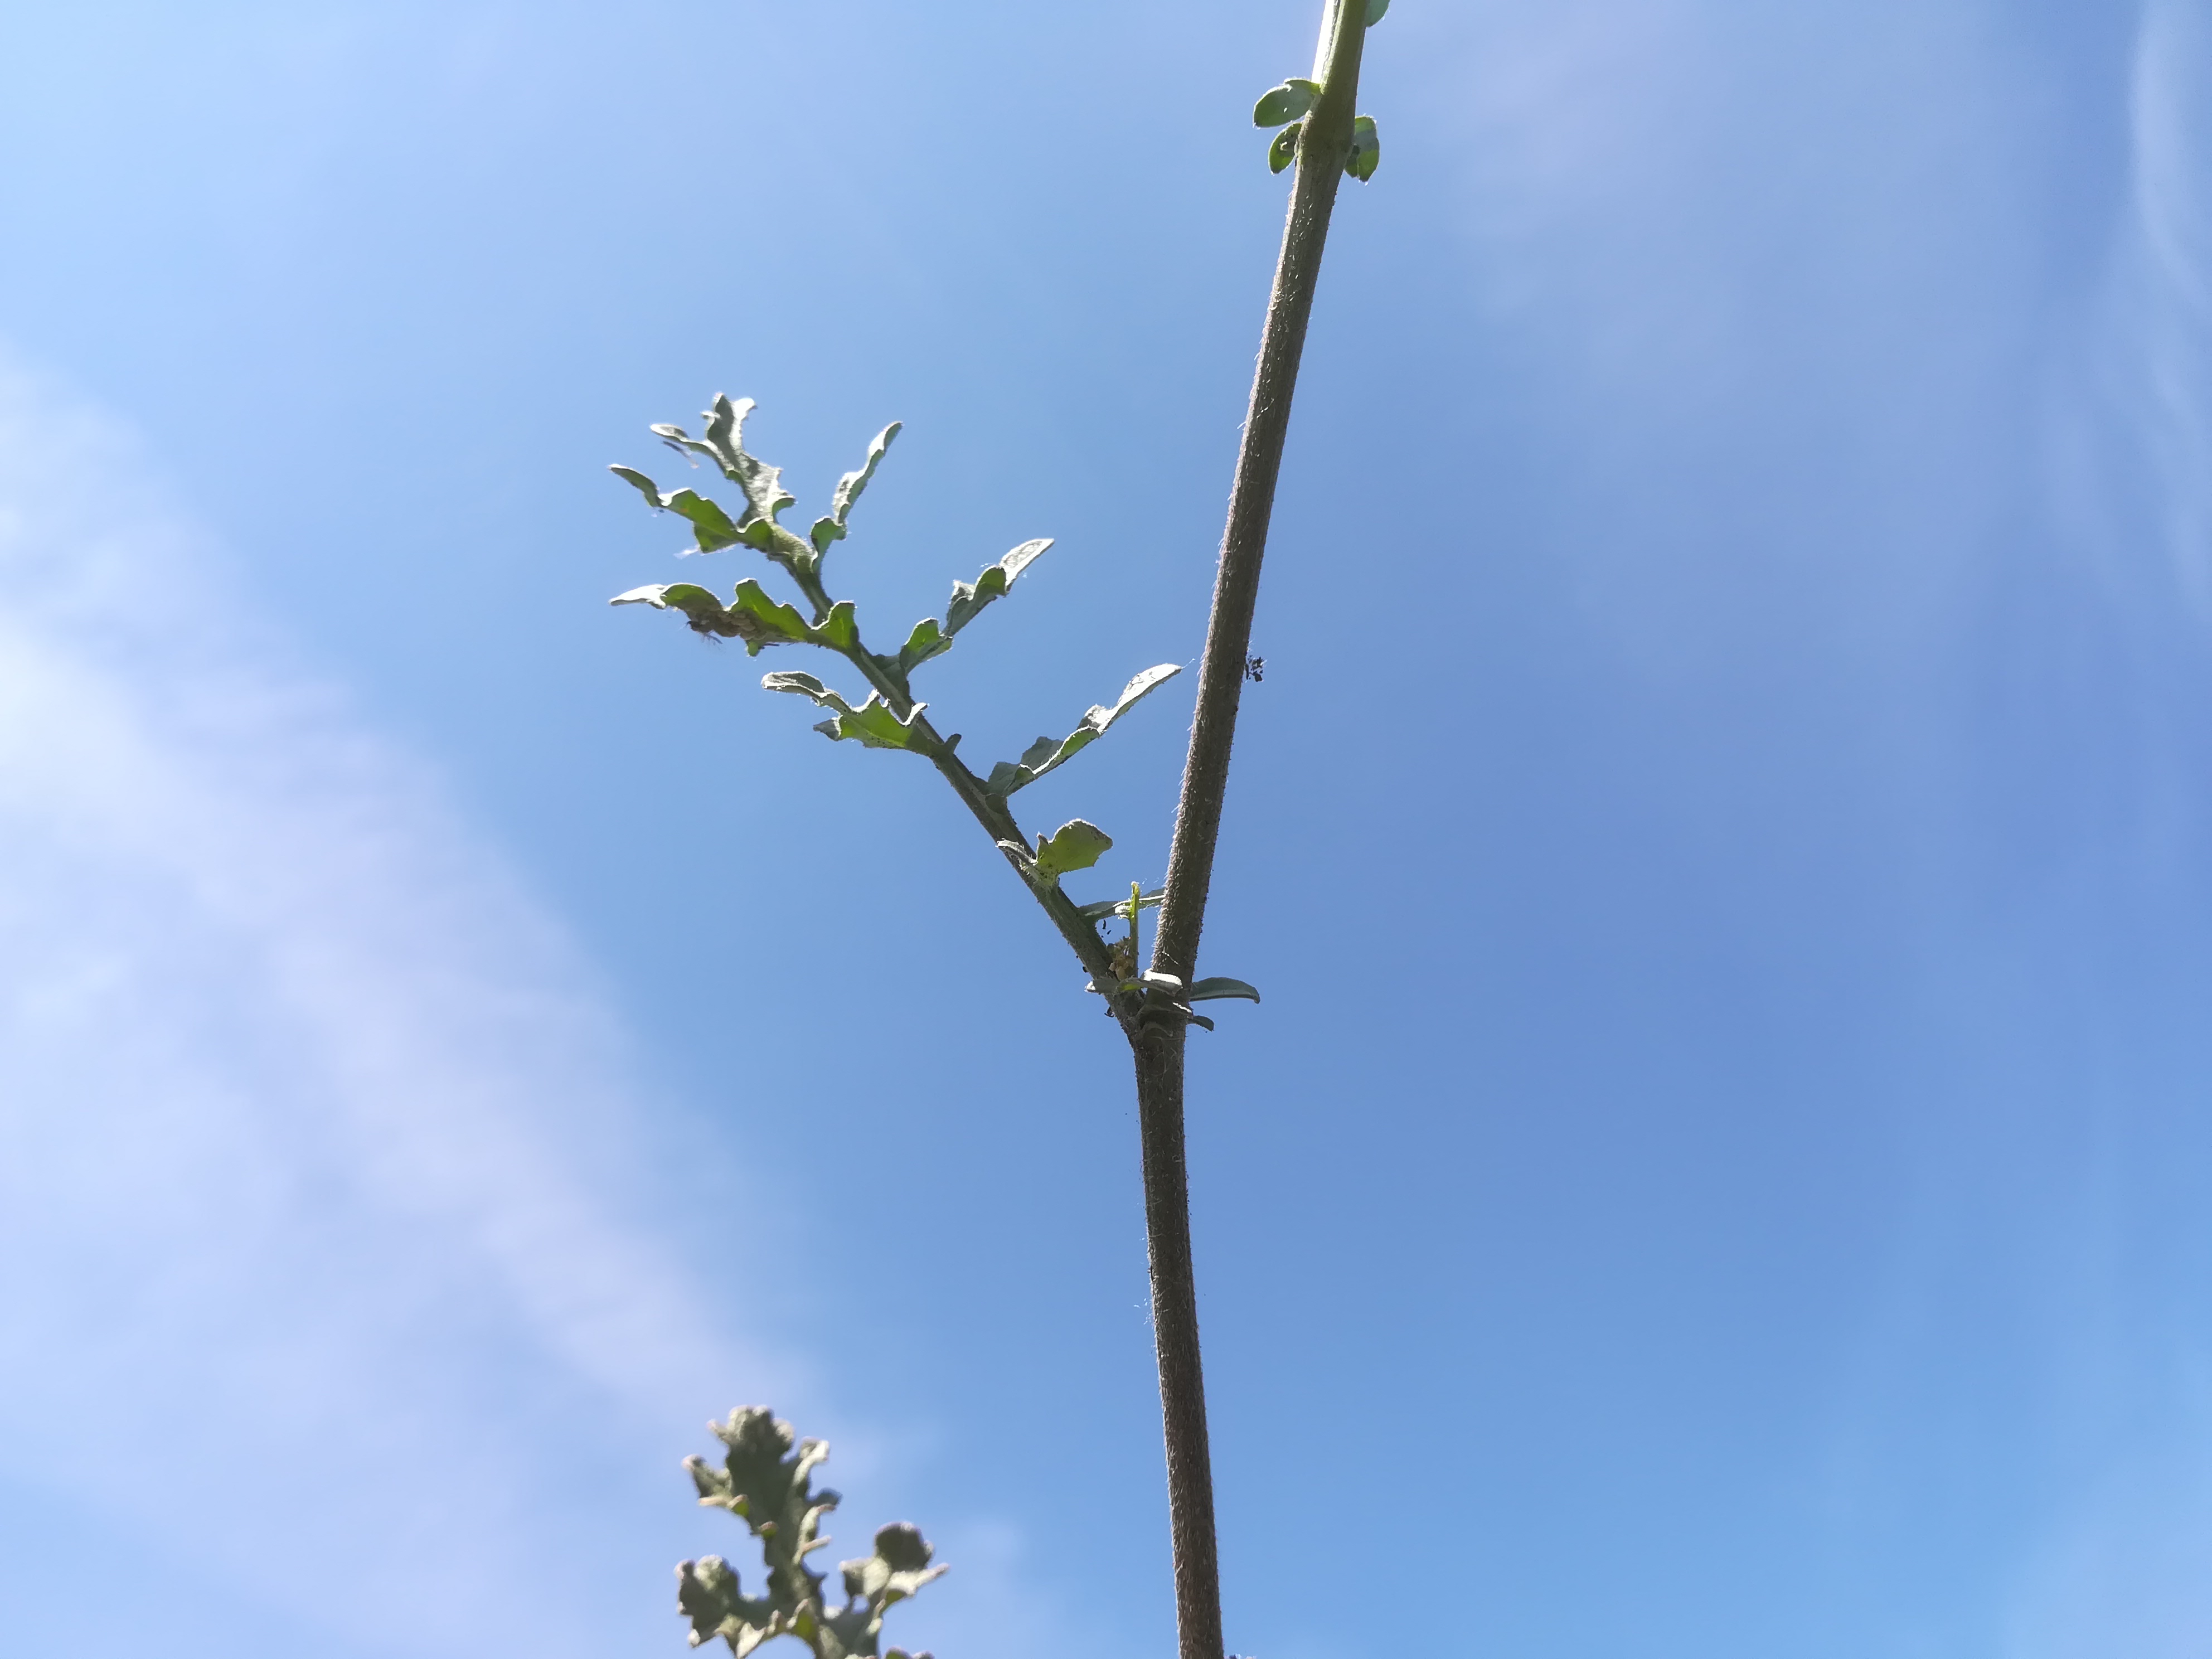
<point>1323,145</point>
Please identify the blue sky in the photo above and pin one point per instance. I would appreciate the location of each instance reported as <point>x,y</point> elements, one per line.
<point>1724,1165</point>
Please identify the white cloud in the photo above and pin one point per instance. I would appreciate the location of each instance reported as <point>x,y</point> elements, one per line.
<point>317,1231</point>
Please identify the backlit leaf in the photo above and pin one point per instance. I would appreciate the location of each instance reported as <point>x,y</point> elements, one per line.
<point>1366,150</point>
<point>1283,149</point>
<point>1286,102</point>
<point>968,598</point>
<point>1046,753</point>
<point>1075,845</point>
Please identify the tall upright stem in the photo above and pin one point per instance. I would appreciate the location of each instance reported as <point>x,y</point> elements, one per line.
<point>1323,145</point>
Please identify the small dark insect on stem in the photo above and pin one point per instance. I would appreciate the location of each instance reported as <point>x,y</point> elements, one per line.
<point>1255,669</point>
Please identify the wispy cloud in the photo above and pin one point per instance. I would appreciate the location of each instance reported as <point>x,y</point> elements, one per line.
<point>318,1234</point>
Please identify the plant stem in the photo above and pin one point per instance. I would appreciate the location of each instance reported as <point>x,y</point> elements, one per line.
<point>1324,143</point>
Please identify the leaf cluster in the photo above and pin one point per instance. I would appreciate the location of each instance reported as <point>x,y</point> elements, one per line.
<point>767,1482</point>
<point>1287,106</point>
<point>888,716</point>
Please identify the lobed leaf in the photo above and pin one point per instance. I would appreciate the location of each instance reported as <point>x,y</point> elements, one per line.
<point>872,725</point>
<point>751,615</point>
<point>711,527</point>
<point>968,599</point>
<point>1366,150</point>
<point>1046,753</point>
<point>767,1482</point>
<point>1075,845</point>
<point>1286,102</point>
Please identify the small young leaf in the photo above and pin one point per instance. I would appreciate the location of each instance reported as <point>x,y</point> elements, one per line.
<point>1284,103</point>
<point>1211,990</point>
<point>1366,150</point>
<point>1042,756</point>
<point>1374,10</point>
<point>1075,845</point>
<point>1283,149</point>
<point>1107,910</point>
<point>968,599</point>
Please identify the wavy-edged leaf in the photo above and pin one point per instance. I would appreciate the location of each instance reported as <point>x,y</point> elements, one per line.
<point>711,527</point>
<point>1286,102</point>
<point>1046,753</point>
<point>1075,845</point>
<point>1283,149</point>
<point>839,630</point>
<point>969,598</point>
<point>832,528</point>
<point>872,725</point>
<point>724,445</point>
<point>1213,990</point>
<point>1366,150</point>
<point>927,640</point>
<point>751,615</point>
<point>1107,910</point>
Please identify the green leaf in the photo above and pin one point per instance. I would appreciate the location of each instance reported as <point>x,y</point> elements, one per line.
<point>872,725</point>
<point>839,631</point>
<point>1374,10</point>
<point>1286,102</point>
<point>1047,753</point>
<point>724,445</point>
<point>712,527</point>
<point>1075,845</point>
<point>759,620</point>
<point>927,640</point>
<point>1213,990</point>
<point>1366,150</point>
<point>751,615</point>
<point>1107,910</point>
<point>1283,149</point>
<point>968,599</point>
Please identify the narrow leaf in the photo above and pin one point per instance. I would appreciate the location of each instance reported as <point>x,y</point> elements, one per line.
<point>1283,149</point>
<point>1075,845</point>
<point>1366,150</point>
<point>850,486</point>
<point>1213,990</point>
<point>1284,103</point>
<point>1042,756</point>
<point>969,598</point>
